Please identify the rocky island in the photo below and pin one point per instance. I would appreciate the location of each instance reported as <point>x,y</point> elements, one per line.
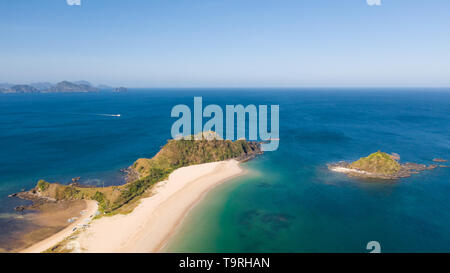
<point>379,165</point>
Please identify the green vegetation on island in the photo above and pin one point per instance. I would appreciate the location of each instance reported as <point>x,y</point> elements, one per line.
<point>66,86</point>
<point>379,165</point>
<point>185,152</point>
<point>145,172</point>
<point>379,162</point>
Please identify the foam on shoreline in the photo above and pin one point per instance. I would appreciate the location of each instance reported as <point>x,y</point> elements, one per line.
<point>348,170</point>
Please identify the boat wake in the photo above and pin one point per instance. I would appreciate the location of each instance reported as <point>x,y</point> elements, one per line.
<point>108,115</point>
<point>95,114</point>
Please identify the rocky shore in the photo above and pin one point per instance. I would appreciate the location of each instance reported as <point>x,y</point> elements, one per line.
<point>38,199</point>
<point>381,166</point>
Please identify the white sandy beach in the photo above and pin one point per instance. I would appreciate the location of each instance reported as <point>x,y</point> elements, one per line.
<point>348,170</point>
<point>148,227</point>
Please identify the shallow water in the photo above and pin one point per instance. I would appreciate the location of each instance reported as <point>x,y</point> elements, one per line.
<point>290,202</point>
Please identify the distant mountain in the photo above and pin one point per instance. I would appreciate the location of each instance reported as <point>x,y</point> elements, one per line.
<point>66,86</point>
<point>5,85</point>
<point>42,85</point>
<point>104,87</point>
<point>21,88</point>
<point>83,83</point>
<point>63,87</point>
<point>120,89</point>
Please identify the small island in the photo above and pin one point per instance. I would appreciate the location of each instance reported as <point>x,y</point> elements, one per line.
<point>120,89</point>
<point>379,165</point>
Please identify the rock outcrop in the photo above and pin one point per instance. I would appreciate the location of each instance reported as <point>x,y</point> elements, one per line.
<point>380,165</point>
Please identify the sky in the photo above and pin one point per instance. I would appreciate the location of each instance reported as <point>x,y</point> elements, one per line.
<point>227,43</point>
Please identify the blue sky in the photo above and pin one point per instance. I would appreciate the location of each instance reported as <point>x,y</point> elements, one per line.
<point>227,43</point>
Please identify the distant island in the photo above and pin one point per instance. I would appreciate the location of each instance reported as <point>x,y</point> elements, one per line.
<point>382,166</point>
<point>61,87</point>
<point>66,86</point>
<point>120,89</point>
<point>20,88</point>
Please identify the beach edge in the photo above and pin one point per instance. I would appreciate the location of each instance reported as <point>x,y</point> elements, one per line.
<point>149,227</point>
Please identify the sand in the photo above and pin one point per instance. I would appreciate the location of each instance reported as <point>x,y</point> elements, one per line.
<point>350,171</point>
<point>82,219</point>
<point>149,226</point>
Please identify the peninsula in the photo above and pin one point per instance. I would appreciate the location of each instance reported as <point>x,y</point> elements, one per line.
<point>379,165</point>
<point>164,187</point>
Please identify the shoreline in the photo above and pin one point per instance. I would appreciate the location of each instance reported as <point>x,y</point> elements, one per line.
<point>41,246</point>
<point>185,214</point>
<point>154,220</point>
<point>348,170</point>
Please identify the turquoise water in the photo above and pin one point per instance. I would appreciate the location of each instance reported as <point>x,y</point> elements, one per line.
<point>289,202</point>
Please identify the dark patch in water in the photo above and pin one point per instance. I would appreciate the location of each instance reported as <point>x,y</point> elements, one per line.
<point>277,221</point>
<point>320,136</point>
<point>269,222</point>
<point>264,185</point>
<point>248,217</point>
<point>15,227</point>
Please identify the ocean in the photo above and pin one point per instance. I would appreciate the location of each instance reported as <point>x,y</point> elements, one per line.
<point>288,202</point>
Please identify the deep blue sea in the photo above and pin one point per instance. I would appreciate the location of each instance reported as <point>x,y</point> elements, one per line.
<point>289,201</point>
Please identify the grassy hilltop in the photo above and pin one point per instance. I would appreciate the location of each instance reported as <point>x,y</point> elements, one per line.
<point>180,153</point>
<point>173,155</point>
<point>380,165</point>
<point>377,163</point>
